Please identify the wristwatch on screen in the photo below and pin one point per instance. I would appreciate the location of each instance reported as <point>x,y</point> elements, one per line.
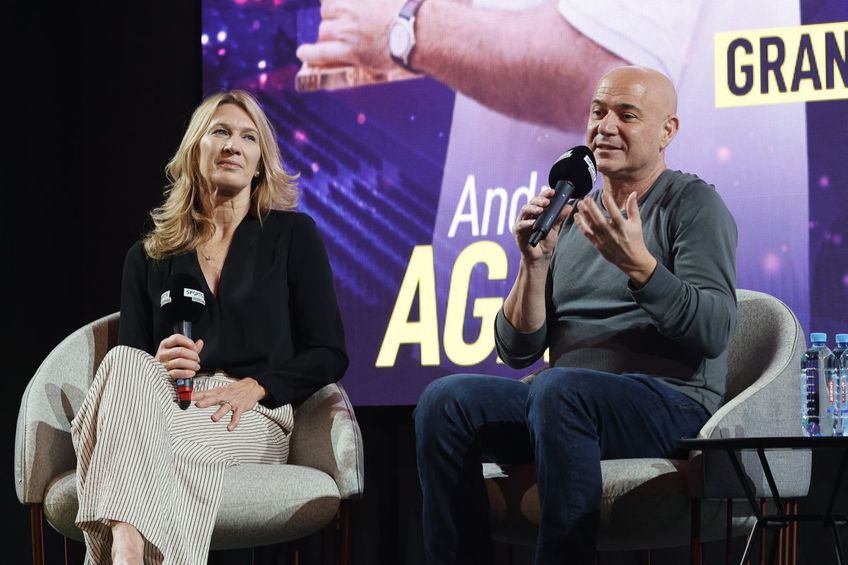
<point>402,34</point>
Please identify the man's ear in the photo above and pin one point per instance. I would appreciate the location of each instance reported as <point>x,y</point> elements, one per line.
<point>669,130</point>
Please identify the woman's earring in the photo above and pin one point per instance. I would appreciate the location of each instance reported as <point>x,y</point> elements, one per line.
<point>256,174</point>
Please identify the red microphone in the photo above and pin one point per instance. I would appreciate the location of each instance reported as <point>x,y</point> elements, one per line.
<point>183,303</point>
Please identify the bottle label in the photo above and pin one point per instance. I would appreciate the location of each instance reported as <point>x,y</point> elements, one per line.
<point>811,390</point>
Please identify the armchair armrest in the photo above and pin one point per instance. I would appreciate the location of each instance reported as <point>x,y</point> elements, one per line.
<point>43,447</point>
<point>764,355</point>
<point>769,406</point>
<point>326,436</point>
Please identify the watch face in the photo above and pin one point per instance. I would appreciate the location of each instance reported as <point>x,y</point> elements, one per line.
<point>399,39</point>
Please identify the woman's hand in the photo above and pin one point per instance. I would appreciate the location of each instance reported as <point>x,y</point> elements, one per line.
<point>180,356</point>
<point>237,398</point>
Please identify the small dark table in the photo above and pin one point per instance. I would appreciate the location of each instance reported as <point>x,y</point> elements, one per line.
<point>782,519</point>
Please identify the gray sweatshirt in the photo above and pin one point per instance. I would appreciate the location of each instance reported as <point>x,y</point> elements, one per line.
<point>676,327</point>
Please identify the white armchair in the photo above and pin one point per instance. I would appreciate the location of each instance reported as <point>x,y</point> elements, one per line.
<point>261,504</point>
<point>655,503</point>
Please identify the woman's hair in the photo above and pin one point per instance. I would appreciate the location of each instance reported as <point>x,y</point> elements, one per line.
<point>179,223</point>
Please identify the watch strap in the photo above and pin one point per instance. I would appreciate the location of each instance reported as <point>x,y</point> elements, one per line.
<point>408,12</point>
<point>410,8</point>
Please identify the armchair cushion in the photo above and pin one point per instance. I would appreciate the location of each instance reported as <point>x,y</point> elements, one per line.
<point>291,502</point>
<point>643,505</point>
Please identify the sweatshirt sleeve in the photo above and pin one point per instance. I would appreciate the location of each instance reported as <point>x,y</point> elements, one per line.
<point>653,33</point>
<point>521,349</point>
<point>135,327</point>
<point>693,300</point>
<point>320,353</point>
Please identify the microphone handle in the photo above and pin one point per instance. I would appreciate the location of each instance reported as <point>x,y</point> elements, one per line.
<point>183,327</point>
<point>184,386</point>
<point>536,237</point>
<point>562,193</point>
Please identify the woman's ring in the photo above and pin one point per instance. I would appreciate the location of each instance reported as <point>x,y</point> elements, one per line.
<point>228,403</point>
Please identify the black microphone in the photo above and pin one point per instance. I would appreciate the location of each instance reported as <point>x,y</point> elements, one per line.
<point>183,303</point>
<point>572,176</point>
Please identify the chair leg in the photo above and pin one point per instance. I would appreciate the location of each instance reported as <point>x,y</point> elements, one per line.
<point>783,552</point>
<point>794,535</point>
<point>36,523</point>
<point>294,553</point>
<point>343,533</point>
<point>763,510</point>
<point>695,554</point>
<point>728,531</point>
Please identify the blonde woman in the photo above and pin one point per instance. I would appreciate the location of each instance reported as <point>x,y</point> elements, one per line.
<point>149,472</point>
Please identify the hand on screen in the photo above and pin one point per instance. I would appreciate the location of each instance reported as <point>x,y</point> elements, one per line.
<point>352,32</point>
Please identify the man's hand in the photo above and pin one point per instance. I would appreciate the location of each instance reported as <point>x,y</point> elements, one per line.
<point>237,398</point>
<point>353,32</point>
<point>617,238</point>
<point>524,226</point>
<point>180,356</point>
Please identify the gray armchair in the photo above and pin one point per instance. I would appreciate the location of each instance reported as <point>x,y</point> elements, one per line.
<point>655,503</point>
<point>261,504</point>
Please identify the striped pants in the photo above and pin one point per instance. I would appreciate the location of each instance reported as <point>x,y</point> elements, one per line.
<point>144,461</point>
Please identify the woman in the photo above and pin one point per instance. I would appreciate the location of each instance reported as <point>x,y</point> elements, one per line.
<point>149,473</point>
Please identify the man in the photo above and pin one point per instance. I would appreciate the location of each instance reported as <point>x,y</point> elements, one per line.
<point>634,293</point>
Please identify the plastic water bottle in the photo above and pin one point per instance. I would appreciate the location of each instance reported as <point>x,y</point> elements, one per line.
<point>819,399</point>
<point>840,358</point>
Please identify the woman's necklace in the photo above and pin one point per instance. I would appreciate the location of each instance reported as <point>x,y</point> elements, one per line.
<point>211,258</point>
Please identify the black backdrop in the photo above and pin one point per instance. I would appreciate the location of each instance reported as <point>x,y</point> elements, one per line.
<point>98,95</point>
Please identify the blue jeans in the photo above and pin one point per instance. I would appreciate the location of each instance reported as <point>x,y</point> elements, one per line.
<point>567,421</point>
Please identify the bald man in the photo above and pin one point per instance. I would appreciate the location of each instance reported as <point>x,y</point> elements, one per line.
<point>634,292</point>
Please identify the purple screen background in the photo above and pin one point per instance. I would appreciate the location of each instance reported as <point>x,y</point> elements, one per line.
<point>373,166</point>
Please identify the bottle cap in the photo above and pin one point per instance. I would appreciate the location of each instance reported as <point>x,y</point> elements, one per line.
<point>842,338</point>
<point>818,337</point>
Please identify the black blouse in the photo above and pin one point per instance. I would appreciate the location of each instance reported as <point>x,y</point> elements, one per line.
<point>275,317</point>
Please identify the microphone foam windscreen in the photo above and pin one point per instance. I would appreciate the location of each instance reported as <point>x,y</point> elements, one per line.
<point>578,166</point>
<point>183,299</point>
